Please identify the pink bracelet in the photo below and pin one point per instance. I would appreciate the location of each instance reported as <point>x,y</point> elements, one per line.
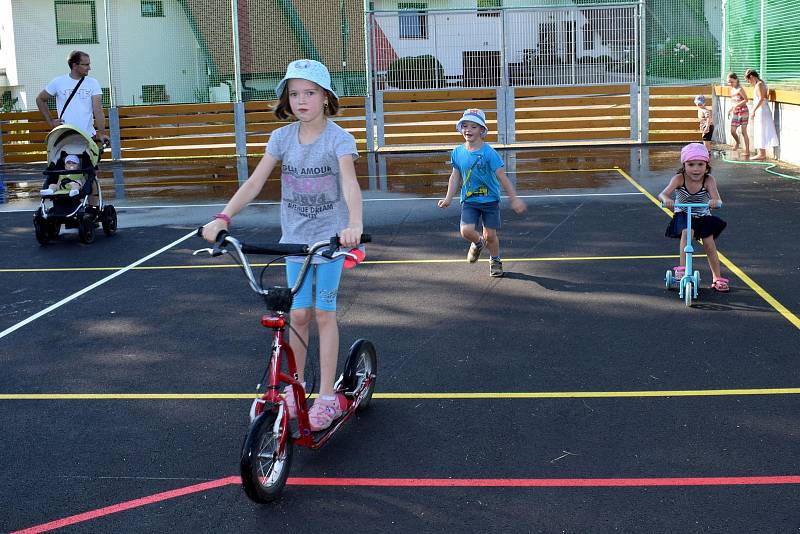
<point>224,217</point>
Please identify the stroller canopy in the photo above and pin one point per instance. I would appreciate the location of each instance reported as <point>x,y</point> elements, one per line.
<point>69,139</point>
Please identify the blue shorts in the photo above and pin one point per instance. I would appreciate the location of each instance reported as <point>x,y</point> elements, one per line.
<point>322,279</point>
<point>489,213</point>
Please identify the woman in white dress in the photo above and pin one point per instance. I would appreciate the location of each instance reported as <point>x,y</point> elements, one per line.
<point>764,134</point>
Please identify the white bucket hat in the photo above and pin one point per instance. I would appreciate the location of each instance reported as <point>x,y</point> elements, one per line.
<point>473,115</point>
<point>72,158</point>
<point>306,69</point>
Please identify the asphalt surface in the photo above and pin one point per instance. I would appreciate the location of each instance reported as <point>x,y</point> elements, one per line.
<point>576,394</point>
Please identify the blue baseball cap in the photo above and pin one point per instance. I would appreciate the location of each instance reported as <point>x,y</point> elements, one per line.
<point>306,69</point>
<point>473,115</point>
<point>700,100</point>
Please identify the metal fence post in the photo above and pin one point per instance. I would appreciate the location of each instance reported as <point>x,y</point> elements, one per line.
<point>379,117</point>
<point>370,123</point>
<point>115,133</point>
<point>240,128</point>
<point>644,114</point>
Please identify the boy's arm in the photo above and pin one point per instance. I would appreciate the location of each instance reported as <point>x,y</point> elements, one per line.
<point>452,184</point>
<point>516,203</point>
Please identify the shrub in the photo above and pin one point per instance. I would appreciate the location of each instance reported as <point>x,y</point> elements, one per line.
<point>416,72</point>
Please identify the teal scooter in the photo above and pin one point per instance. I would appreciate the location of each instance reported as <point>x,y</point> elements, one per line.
<point>690,282</point>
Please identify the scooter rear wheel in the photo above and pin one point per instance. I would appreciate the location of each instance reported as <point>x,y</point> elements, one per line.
<point>362,363</point>
<point>263,466</point>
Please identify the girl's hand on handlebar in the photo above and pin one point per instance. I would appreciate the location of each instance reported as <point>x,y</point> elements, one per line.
<point>669,203</point>
<point>350,237</point>
<point>213,228</point>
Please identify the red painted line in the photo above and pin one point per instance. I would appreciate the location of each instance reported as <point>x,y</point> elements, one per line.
<point>426,483</point>
<point>121,507</point>
<point>542,482</point>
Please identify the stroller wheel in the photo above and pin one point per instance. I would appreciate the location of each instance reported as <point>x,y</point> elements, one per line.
<point>109,220</point>
<point>86,229</point>
<point>40,228</point>
<point>53,229</point>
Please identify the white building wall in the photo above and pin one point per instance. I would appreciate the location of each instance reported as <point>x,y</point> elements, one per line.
<point>147,51</point>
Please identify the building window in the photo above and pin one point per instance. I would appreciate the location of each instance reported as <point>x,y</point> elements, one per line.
<point>413,20</point>
<point>489,8</point>
<point>152,8</point>
<point>152,94</point>
<point>76,22</point>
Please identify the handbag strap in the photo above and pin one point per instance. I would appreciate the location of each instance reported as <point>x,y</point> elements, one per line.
<point>69,99</point>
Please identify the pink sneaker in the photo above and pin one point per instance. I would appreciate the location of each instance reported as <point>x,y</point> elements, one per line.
<point>324,412</point>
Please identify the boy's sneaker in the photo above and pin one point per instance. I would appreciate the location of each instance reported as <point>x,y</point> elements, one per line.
<point>324,412</point>
<point>46,192</point>
<point>495,268</point>
<point>74,192</point>
<point>475,251</point>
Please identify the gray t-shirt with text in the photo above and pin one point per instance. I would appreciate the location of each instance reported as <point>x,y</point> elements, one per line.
<point>313,207</point>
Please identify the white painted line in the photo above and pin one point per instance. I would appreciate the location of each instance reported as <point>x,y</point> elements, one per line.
<point>177,206</point>
<point>85,290</point>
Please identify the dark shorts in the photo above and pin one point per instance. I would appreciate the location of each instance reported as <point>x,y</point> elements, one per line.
<point>707,136</point>
<point>707,225</point>
<point>489,213</point>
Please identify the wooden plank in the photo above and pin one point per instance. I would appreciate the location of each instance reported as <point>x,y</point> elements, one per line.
<point>687,101</point>
<point>551,113</point>
<point>438,95</point>
<point>179,141</point>
<point>192,131</point>
<point>573,135</point>
<point>573,124</point>
<point>17,148</point>
<point>178,152</point>
<point>680,90</point>
<point>22,127</point>
<point>425,128</point>
<point>176,109</point>
<point>453,105</point>
<point>673,137</point>
<point>33,116</point>
<point>39,157</point>
<point>219,118</point>
<point>666,113</point>
<point>675,124</point>
<point>450,139</point>
<point>556,92</point>
<point>526,103</point>
<point>452,117</point>
<point>27,137</point>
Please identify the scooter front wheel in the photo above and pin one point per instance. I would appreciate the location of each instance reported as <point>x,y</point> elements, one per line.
<point>687,294</point>
<point>361,365</point>
<point>265,463</point>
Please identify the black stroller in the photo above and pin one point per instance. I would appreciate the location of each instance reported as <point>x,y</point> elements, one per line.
<point>63,206</point>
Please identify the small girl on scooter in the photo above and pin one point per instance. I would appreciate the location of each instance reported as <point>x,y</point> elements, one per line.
<point>320,197</point>
<point>694,184</point>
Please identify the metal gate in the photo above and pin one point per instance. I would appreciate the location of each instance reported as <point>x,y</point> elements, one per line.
<point>542,74</point>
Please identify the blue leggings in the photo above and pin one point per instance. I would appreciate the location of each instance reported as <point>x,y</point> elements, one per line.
<point>322,279</point>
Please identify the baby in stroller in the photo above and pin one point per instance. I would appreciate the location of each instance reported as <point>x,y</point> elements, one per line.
<point>71,193</point>
<point>68,183</point>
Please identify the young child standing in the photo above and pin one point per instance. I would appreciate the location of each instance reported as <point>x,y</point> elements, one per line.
<point>706,120</point>
<point>739,114</point>
<point>320,197</point>
<point>478,170</point>
<point>694,185</point>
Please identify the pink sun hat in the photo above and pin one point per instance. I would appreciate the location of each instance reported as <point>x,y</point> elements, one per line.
<point>694,152</point>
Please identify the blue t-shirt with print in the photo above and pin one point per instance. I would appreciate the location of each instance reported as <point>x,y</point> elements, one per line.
<point>479,183</point>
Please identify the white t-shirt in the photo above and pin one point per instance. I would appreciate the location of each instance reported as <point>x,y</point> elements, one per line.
<point>79,112</point>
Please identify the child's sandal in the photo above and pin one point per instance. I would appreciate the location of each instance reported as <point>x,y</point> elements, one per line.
<point>721,285</point>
